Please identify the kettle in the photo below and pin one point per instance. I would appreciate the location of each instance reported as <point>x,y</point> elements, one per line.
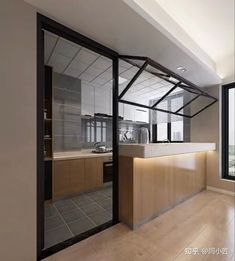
<point>144,135</point>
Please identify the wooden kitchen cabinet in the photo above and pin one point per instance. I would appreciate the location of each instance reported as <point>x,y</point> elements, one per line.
<point>200,177</point>
<point>72,177</point>
<point>150,186</point>
<point>68,178</point>
<point>93,173</point>
<point>76,176</point>
<point>60,181</point>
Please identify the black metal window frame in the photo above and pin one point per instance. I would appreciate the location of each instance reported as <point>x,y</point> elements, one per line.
<point>169,129</point>
<point>165,75</point>
<point>225,131</point>
<point>95,124</point>
<point>45,23</point>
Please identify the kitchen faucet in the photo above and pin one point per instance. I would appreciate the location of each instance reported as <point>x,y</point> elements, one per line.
<point>98,144</point>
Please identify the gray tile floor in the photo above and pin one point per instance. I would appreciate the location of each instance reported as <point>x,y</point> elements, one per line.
<point>69,217</point>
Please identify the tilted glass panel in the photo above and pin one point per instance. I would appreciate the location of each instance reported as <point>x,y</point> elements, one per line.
<point>196,105</point>
<point>152,87</point>
<point>147,86</point>
<point>179,97</point>
<point>158,116</point>
<point>127,71</point>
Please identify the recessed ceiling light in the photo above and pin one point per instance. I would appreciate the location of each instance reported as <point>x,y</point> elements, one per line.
<point>181,68</point>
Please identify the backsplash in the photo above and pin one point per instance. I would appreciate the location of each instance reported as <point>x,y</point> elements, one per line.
<point>66,113</point>
<point>96,130</point>
<point>129,131</point>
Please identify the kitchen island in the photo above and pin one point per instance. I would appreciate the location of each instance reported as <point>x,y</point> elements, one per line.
<point>155,177</point>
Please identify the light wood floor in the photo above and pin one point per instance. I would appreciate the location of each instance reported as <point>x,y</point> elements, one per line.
<point>204,221</point>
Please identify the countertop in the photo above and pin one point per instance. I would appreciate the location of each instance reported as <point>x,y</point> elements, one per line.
<point>83,154</point>
<point>163,149</point>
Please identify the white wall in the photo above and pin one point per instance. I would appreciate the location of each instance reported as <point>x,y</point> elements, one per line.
<point>17,131</point>
<point>226,67</point>
<point>205,127</point>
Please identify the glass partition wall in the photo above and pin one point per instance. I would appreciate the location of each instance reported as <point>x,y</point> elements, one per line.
<point>78,140</point>
<point>89,99</point>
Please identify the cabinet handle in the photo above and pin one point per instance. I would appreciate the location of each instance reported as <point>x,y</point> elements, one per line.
<point>141,110</point>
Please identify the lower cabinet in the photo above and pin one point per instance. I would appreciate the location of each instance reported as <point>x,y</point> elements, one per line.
<point>76,176</point>
<point>71,177</point>
<point>93,173</point>
<point>60,179</point>
<point>148,187</point>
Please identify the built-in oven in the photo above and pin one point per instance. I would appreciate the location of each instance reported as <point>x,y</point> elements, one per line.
<point>107,171</point>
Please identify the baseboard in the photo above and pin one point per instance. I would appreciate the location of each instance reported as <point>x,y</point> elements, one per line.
<point>223,191</point>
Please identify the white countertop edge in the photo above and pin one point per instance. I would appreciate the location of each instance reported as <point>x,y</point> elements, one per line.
<point>79,155</point>
<point>160,149</point>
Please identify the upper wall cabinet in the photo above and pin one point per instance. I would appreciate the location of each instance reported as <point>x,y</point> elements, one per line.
<point>129,112</point>
<point>121,109</point>
<point>141,115</point>
<point>96,100</point>
<point>88,98</point>
<point>133,113</point>
<point>102,101</point>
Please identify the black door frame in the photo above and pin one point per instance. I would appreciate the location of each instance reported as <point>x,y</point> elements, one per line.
<point>225,130</point>
<point>45,23</point>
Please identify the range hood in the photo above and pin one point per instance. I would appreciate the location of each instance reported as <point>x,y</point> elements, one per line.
<point>147,84</point>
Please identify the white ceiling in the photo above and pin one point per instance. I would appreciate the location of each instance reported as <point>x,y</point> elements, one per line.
<point>68,58</point>
<point>209,23</point>
<point>116,25</point>
<point>94,70</point>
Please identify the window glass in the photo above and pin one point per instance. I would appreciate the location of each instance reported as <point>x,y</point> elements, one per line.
<point>92,134</point>
<point>177,131</point>
<point>162,131</point>
<point>231,132</point>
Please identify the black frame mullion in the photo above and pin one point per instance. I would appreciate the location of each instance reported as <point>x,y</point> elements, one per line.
<point>133,79</point>
<point>225,131</point>
<point>169,131</point>
<point>115,124</point>
<point>40,137</point>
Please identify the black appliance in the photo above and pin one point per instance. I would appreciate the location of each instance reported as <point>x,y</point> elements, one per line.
<point>107,171</point>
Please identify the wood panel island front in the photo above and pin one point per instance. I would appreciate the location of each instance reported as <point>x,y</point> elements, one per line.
<point>155,177</point>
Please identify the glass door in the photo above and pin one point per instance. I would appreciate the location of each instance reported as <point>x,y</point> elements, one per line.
<point>78,142</point>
